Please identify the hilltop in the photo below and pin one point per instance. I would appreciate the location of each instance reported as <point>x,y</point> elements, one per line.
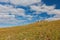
<point>44,30</point>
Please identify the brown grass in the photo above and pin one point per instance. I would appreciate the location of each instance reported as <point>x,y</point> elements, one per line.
<point>36,31</point>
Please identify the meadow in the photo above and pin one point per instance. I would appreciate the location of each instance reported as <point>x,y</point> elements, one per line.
<point>43,30</point>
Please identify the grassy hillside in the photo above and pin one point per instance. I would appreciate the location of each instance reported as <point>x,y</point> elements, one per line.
<point>43,30</point>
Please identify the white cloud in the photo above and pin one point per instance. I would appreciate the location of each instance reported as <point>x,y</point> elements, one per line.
<point>42,8</point>
<point>49,9</point>
<point>5,18</point>
<point>21,2</point>
<point>5,10</point>
<point>4,0</point>
<point>24,2</point>
<point>45,8</point>
<point>11,21</point>
<point>55,11</point>
<point>29,17</point>
<point>57,16</point>
<point>52,19</point>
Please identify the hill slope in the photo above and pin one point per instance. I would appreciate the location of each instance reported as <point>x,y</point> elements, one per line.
<point>43,30</point>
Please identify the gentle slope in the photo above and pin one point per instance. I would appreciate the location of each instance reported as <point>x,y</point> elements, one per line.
<point>43,30</point>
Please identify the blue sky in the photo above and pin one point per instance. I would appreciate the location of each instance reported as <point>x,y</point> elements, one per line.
<point>52,2</point>
<point>22,12</point>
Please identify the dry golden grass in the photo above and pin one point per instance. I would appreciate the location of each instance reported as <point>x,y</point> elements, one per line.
<point>43,30</point>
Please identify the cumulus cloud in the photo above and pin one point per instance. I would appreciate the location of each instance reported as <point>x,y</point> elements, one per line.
<point>49,9</point>
<point>24,2</point>
<point>29,17</point>
<point>52,19</point>
<point>4,0</point>
<point>11,10</point>
<point>12,21</point>
<point>21,2</point>
<point>8,13</point>
<point>55,11</point>
<point>42,8</point>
